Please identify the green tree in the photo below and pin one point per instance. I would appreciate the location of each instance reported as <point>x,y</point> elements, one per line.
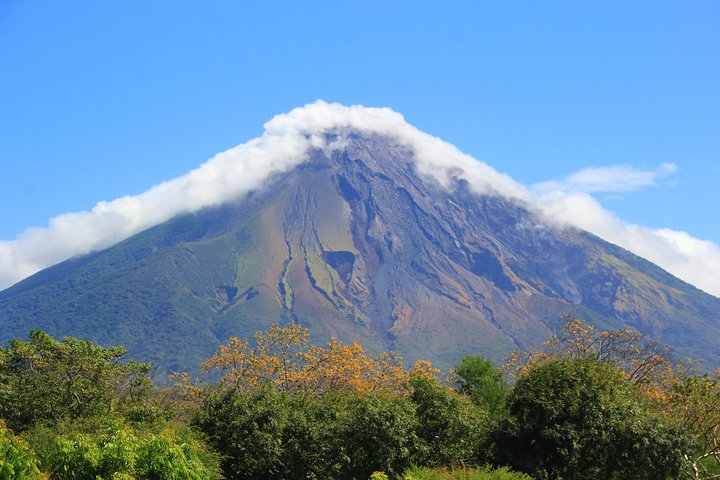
<point>453,430</point>
<point>46,380</point>
<point>120,452</point>
<point>378,435</point>
<point>275,434</point>
<point>247,429</point>
<point>478,378</point>
<point>579,419</point>
<point>694,403</point>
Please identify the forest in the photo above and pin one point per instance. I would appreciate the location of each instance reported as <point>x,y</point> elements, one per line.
<point>590,404</point>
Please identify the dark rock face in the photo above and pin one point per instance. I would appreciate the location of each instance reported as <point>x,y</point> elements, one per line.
<point>359,246</point>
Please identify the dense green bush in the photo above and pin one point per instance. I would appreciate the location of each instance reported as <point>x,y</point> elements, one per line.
<point>122,452</point>
<point>83,414</point>
<point>87,415</point>
<point>578,419</point>
<point>45,380</point>
<point>478,378</point>
<point>453,430</point>
<point>267,433</point>
<point>378,434</point>
<point>248,431</point>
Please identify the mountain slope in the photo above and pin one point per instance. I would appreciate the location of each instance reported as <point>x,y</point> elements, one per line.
<point>356,244</point>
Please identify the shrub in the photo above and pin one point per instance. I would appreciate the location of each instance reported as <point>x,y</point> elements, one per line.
<point>17,460</point>
<point>478,378</point>
<point>578,419</point>
<point>485,473</point>
<point>120,452</point>
<point>453,430</point>
<point>266,434</point>
<point>45,380</point>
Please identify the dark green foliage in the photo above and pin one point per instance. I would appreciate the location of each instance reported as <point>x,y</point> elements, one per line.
<point>452,428</point>
<point>379,435</point>
<point>83,414</point>
<point>578,419</point>
<point>46,380</point>
<point>248,431</point>
<point>89,415</point>
<point>478,378</point>
<point>266,433</point>
<point>279,435</point>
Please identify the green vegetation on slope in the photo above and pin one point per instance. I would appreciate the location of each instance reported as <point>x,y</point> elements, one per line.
<point>286,409</point>
<point>357,246</point>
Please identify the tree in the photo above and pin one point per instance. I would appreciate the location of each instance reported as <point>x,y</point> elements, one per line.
<point>247,429</point>
<point>379,434</point>
<point>478,378</point>
<point>282,356</point>
<point>580,419</point>
<point>645,363</point>
<point>46,380</point>
<point>274,434</point>
<point>453,430</point>
<point>694,403</point>
<point>120,452</point>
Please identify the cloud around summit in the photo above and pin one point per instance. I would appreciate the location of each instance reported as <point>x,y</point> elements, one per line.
<point>285,144</point>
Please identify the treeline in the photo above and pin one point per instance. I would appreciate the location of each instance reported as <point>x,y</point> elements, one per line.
<point>590,405</point>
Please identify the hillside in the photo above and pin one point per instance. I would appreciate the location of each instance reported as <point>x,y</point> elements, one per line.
<point>357,244</point>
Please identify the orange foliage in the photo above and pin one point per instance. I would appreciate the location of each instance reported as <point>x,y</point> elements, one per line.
<point>282,356</point>
<point>688,399</point>
<point>184,387</point>
<point>646,364</point>
<point>424,369</point>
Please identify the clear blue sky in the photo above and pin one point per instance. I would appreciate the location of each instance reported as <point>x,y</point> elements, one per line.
<point>100,99</point>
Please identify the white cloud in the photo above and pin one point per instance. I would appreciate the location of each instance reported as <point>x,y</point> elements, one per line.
<point>693,260</point>
<point>611,179</point>
<point>284,145</point>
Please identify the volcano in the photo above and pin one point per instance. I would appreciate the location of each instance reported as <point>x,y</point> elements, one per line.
<point>360,242</point>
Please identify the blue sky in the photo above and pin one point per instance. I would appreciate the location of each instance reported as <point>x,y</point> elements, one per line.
<point>104,99</point>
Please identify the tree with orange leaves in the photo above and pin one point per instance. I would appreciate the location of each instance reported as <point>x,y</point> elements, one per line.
<point>282,356</point>
<point>645,363</point>
<point>687,399</point>
<point>272,360</point>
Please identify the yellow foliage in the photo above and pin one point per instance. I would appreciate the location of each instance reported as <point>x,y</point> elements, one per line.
<point>282,356</point>
<point>689,400</point>
<point>182,383</point>
<point>646,364</point>
<point>424,369</point>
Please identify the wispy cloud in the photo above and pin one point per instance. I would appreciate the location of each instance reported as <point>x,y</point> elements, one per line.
<point>285,144</point>
<point>694,260</point>
<point>570,201</point>
<point>611,179</point>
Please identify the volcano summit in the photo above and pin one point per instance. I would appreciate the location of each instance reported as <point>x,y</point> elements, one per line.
<point>351,222</point>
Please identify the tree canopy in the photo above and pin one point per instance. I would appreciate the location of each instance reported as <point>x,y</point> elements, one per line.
<point>579,419</point>
<point>45,380</point>
<point>591,404</point>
